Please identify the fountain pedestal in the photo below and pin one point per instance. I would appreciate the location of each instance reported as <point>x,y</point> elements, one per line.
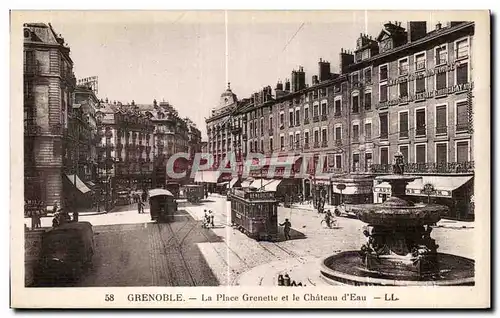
<point>399,247</point>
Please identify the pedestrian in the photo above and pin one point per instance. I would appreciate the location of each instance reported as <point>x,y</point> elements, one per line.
<point>287,228</point>
<point>38,216</point>
<point>211,215</point>
<point>140,207</point>
<point>144,196</point>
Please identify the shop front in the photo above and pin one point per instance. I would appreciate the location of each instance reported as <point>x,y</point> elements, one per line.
<point>352,189</point>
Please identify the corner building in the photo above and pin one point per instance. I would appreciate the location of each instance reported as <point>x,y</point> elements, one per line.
<point>416,97</point>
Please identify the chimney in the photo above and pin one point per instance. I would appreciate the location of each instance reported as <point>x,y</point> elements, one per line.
<point>287,85</point>
<point>315,80</point>
<point>323,70</point>
<point>438,26</point>
<point>345,59</point>
<point>416,30</point>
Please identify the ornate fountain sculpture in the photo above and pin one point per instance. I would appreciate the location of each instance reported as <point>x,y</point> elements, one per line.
<point>399,248</point>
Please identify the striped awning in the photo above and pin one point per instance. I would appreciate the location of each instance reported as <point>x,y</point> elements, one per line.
<point>79,183</point>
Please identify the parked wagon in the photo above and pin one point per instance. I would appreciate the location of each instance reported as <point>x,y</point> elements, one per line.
<point>255,213</point>
<point>162,205</point>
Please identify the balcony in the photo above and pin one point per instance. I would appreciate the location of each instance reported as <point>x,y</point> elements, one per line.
<point>463,128</point>
<point>306,146</point>
<point>316,119</point>
<point>384,136</point>
<point>324,144</point>
<point>428,168</point>
<point>235,129</point>
<point>306,120</point>
<point>338,142</point>
<point>403,134</point>
<point>403,71</point>
<point>442,130</point>
<point>420,132</point>
<point>316,145</point>
<point>270,132</point>
<point>337,114</point>
<point>282,127</point>
<point>324,117</point>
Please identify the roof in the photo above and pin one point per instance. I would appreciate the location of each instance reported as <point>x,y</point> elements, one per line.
<point>159,192</point>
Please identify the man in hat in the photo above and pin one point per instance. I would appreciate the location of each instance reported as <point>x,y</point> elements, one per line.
<point>287,228</point>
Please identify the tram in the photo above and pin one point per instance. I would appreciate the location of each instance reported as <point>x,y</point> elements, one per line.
<point>255,213</point>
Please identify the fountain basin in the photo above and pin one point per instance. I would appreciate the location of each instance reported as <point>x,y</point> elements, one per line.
<point>348,268</point>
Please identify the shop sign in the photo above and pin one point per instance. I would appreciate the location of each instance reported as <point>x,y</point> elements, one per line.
<point>422,74</point>
<point>426,95</point>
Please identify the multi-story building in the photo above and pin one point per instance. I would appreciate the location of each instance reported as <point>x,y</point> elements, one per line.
<point>48,86</point>
<point>411,92</point>
<point>125,152</point>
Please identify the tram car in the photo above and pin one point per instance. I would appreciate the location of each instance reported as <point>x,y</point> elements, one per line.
<point>255,213</point>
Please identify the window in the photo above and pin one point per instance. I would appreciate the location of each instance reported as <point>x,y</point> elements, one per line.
<point>384,155</point>
<point>255,146</point>
<point>421,153</point>
<point>420,122</point>
<point>323,109</point>
<point>306,138</point>
<point>420,61</point>
<point>384,126</point>
<point>297,140</point>
<point>368,131</point>
<point>262,145</point>
<point>316,110</point>
<point>441,80</point>
<point>324,138</point>
<point>355,162</point>
<point>420,84</point>
<point>383,92</point>
<point>441,153</point>
<point>271,122</point>
<point>291,118</point>
<point>338,133</point>
<point>368,75</point>
<point>462,73</point>
<point>403,89</point>
<point>383,73</point>
<point>338,161</point>
<point>271,146</point>
<point>316,137</point>
<point>403,67</point>
<point>306,113</point>
<point>297,117</point>
<point>441,55</point>
<point>462,49</point>
<point>251,129</point>
<point>368,100</point>
<point>262,126</point>
<point>290,140</point>
<point>463,151</point>
<point>323,92</point>
<point>355,104</point>
<point>404,150</point>
<point>355,78</point>
<point>355,132</point>
<point>462,116</point>
<point>338,107</point>
<point>441,120</point>
<point>282,119</point>
<point>403,124</point>
<point>282,142</point>
<point>368,160</point>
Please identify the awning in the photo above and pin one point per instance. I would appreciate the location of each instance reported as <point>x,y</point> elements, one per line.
<point>272,186</point>
<point>158,192</point>
<point>443,186</point>
<point>206,176</point>
<point>259,183</point>
<point>282,161</point>
<point>79,183</point>
<point>247,183</point>
<point>233,182</point>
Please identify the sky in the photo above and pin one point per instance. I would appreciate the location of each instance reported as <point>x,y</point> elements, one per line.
<point>187,57</point>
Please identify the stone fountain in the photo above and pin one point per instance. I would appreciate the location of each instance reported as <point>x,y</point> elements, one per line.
<point>399,248</point>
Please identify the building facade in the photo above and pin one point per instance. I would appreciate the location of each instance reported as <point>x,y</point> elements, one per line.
<point>406,90</point>
<point>49,83</point>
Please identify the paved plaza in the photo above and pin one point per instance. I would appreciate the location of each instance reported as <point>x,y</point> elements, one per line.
<point>131,250</point>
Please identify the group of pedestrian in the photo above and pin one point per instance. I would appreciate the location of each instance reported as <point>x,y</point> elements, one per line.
<point>61,216</point>
<point>208,218</point>
<point>36,211</point>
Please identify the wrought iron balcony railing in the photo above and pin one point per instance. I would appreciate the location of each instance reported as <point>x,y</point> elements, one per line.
<point>428,167</point>
<point>306,120</point>
<point>324,117</point>
<point>315,119</point>
<point>441,130</point>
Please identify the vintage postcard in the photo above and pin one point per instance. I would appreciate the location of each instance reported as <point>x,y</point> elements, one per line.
<point>250,159</point>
